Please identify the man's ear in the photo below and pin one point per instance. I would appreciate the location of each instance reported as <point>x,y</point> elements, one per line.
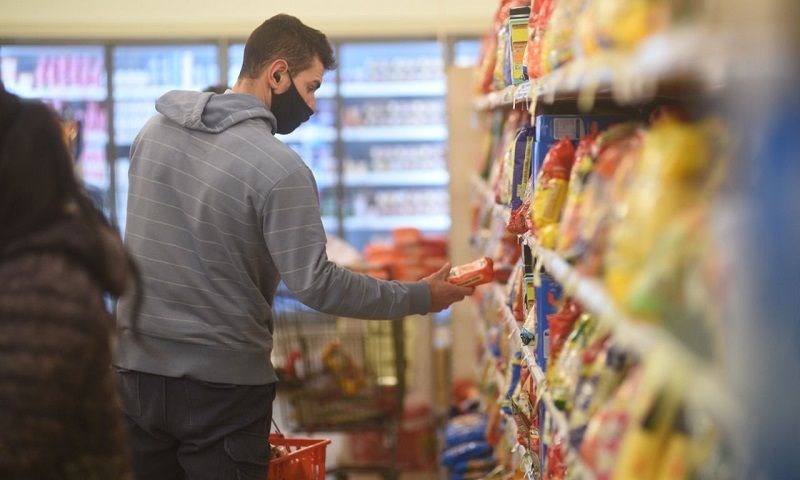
<point>277,74</point>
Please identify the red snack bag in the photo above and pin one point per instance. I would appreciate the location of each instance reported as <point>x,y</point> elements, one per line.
<point>541,10</point>
<point>472,274</point>
<point>561,324</point>
<point>551,187</point>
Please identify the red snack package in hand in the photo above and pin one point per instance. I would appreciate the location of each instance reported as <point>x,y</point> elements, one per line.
<point>472,274</point>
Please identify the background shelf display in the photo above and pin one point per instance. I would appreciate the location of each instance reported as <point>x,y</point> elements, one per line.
<point>62,72</point>
<point>466,53</point>
<point>311,133</point>
<point>395,133</point>
<point>681,54</point>
<point>420,88</point>
<point>379,122</point>
<point>141,75</point>
<point>67,94</point>
<point>389,222</point>
<point>72,80</point>
<point>410,178</point>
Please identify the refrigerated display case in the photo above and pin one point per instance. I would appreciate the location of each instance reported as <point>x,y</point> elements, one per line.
<point>466,52</point>
<point>393,134</point>
<point>142,73</point>
<point>315,140</point>
<point>71,79</point>
<point>376,143</point>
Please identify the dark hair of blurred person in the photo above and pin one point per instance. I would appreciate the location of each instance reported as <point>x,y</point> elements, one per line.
<point>59,413</point>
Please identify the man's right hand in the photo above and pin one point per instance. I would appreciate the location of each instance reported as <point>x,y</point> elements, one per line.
<point>444,293</point>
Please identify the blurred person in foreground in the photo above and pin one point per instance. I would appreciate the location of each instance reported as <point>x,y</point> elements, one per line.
<point>219,212</point>
<point>59,413</point>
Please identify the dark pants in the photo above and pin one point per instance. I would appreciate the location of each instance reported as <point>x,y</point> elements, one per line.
<point>180,428</point>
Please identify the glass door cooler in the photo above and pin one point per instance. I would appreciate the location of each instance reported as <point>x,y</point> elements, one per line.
<point>142,73</point>
<point>393,133</point>
<point>72,79</point>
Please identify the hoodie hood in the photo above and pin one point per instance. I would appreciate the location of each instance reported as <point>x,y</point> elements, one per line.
<point>72,237</point>
<point>213,113</point>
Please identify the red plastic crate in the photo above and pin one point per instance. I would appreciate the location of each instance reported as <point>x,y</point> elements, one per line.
<point>305,461</point>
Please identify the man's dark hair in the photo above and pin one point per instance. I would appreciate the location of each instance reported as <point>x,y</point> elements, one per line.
<point>284,36</point>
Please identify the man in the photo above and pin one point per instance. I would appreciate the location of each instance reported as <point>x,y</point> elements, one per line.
<point>219,211</point>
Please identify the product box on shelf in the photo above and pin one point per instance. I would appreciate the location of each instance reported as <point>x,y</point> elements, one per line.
<point>552,128</point>
<point>548,295</point>
<point>518,42</point>
<point>523,165</point>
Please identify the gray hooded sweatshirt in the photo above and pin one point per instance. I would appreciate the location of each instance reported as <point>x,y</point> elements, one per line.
<point>219,211</point>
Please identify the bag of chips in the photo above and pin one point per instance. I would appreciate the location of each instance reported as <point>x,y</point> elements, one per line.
<point>539,19</point>
<point>551,191</point>
<point>557,43</point>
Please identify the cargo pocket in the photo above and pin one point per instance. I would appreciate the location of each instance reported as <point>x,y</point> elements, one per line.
<point>128,389</point>
<point>250,454</point>
<point>213,404</point>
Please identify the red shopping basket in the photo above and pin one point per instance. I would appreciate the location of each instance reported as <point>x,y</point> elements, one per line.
<point>305,461</point>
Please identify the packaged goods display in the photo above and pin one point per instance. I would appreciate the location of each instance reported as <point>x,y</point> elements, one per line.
<point>391,139</point>
<point>578,45</point>
<point>408,256</point>
<point>72,80</point>
<point>472,274</point>
<point>612,214</point>
<point>393,202</point>
<point>393,112</point>
<point>518,41</point>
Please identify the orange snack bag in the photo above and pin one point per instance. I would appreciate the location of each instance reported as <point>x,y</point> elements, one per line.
<point>472,274</point>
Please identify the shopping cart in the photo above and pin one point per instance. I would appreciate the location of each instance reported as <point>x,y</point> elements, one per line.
<point>340,375</point>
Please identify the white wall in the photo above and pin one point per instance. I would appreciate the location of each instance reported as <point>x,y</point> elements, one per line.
<point>170,19</point>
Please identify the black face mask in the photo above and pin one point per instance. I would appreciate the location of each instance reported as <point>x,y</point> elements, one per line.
<point>290,110</point>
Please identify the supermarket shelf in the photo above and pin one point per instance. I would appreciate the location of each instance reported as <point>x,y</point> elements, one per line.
<point>405,178</point>
<point>687,53</point>
<point>374,223</point>
<point>707,392</point>
<point>509,96</point>
<point>330,223</point>
<point>399,133</point>
<point>431,88</point>
<point>148,92</point>
<point>327,90</point>
<point>325,179</point>
<point>310,134</point>
<point>483,190</point>
<point>96,137</point>
<point>70,94</point>
<point>557,416</point>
